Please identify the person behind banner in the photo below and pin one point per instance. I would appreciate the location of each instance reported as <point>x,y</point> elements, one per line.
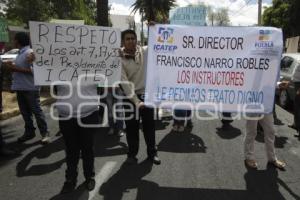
<point>114,107</point>
<point>3,150</point>
<point>267,123</point>
<point>78,138</point>
<point>28,95</point>
<point>180,116</point>
<point>133,70</point>
<point>78,122</point>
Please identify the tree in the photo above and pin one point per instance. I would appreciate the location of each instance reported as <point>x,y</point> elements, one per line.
<point>219,17</point>
<point>154,10</point>
<point>20,12</point>
<point>102,13</point>
<point>283,14</point>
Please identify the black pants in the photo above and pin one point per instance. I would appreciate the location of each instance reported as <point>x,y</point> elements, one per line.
<point>226,118</point>
<point>1,140</point>
<point>79,139</point>
<point>297,107</point>
<point>132,129</point>
<point>1,106</point>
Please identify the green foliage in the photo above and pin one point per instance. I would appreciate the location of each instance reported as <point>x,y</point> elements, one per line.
<point>20,12</point>
<point>154,10</point>
<point>283,14</point>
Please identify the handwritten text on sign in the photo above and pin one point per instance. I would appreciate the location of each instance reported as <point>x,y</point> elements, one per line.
<point>231,69</point>
<point>67,52</point>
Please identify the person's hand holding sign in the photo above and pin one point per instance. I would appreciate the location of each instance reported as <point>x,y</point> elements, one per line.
<point>11,66</point>
<point>30,58</point>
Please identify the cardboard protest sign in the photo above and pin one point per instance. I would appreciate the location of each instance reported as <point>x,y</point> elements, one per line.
<point>66,52</point>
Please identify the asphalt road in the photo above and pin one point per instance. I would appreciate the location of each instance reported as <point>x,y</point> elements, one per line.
<point>205,162</point>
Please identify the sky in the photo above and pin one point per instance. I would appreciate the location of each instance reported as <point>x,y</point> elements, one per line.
<point>241,13</point>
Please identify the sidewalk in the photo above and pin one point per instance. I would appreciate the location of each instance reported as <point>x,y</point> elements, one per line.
<point>10,105</point>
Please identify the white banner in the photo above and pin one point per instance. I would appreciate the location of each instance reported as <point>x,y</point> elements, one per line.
<point>66,52</point>
<point>232,69</point>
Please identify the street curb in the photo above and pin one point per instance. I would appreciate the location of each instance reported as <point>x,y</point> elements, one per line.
<point>14,112</point>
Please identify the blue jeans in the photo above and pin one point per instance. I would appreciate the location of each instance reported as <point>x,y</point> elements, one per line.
<point>29,103</point>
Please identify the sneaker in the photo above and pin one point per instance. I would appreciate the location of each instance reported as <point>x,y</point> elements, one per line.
<point>175,127</point>
<point>155,160</point>
<point>121,133</point>
<point>180,128</point>
<point>26,137</point>
<point>46,139</point>
<point>90,184</point>
<point>110,131</point>
<point>131,160</point>
<point>68,187</point>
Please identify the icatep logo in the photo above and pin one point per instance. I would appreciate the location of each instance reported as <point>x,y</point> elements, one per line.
<point>165,38</point>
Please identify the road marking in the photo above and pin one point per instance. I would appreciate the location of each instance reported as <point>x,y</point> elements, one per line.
<point>101,177</point>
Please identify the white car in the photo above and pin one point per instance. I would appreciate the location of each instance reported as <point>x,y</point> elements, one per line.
<point>290,63</point>
<point>9,55</point>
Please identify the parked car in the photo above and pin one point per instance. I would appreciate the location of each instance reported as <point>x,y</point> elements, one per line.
<point>9,55</point>
<point>290,63</point>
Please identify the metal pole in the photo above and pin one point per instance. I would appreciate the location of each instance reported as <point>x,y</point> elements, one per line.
<point>259,13</point>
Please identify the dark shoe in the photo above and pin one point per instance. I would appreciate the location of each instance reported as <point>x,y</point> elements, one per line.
<point>293,126</point>
<point>226,126</point>
<point>155,160</point>
<point>278,122</point>
<point>226,121</point>
<point>25,137</point>
<point>68,187</point>
<point>90,184</point>
<point>58,134</point>
<point>131,160</point>
<point>189,124</point>
<point>6,152</point>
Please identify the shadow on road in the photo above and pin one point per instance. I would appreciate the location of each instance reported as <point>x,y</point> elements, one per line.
<point>185,142</point>
<point>126,178</point>
<point>279,141</point>
<point>161,124</point>
<point>108,145</point>
<point>41,153</point>
<point>79,194</point>
<point>228,132</point>
<point>262,184</point>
